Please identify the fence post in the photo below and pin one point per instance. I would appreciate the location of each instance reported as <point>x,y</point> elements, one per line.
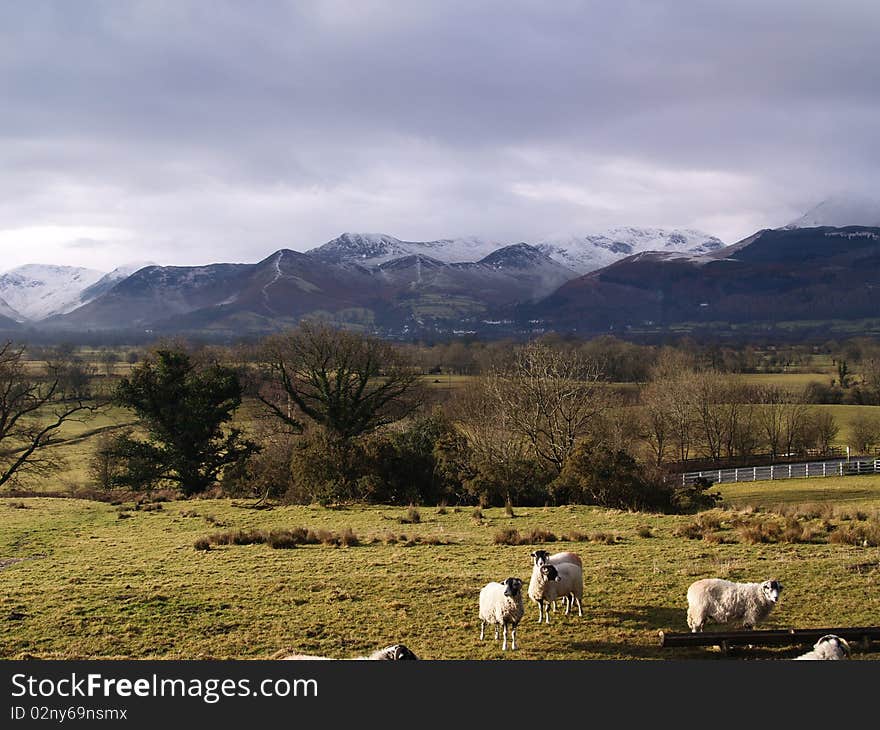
<point>735,474</point>
<point>771,472</point>
<point>755,474</point>
<point>789,471</point>
<point>841,468</point>
<point>824,467</point>
<point>808,471</point>
<point>719,476</point>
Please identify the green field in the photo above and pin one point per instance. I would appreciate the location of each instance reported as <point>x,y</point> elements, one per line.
<point>76,580</point>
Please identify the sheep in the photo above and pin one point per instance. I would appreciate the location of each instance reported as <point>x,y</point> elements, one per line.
<point>828,647</point>
<point>539,557</point>
<point>393,652</point>
<point>550,582</point>
<point>502,604</point>
<point>723,602</point>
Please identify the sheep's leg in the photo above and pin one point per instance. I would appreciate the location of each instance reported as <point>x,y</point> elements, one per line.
<point>578,601</point>
<point>504,633</point>
<point>482,629</point>
<point>546,614</point>
<point>496,632</point>
<point>567,605</point>
<point>540,611</point>
<point>513,637</point>
<point>553,606</point>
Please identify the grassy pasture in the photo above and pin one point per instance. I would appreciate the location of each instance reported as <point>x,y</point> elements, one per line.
<point>88,583</point>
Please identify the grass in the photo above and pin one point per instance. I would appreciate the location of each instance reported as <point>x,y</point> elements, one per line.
<point>75,581</point>
<point>851,492</point>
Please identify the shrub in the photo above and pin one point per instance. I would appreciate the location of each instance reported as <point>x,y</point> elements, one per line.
<point>575,536</point>
<point>604,538</point>
<point>538,535</point>
<point>508,509</point>
<point>477,515</point>
<point>760,532</point>
<point>203,543</point>
<point>281,540</point>
<point>863,535</point>
<point>644,531</point>
<point>508,536</point>
<point>412,517</point>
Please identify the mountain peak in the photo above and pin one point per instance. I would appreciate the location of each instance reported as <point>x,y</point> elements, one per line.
<point>37,291</point>
<point>585,253</point>
<point>517,255</point>
<point>840,211</point>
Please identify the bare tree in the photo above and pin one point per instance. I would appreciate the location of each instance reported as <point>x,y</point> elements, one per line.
<point>553,399</point>
<point>345,382</point>
<point>32,411</point>
<point>782,418</point>
<point>669,406</point>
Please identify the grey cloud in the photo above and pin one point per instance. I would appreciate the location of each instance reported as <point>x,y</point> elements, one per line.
<point>223,129</point>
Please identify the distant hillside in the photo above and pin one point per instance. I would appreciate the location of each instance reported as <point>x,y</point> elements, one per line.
<point>772,276</point>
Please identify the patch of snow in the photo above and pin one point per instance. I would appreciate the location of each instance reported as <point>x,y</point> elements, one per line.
<point>37,291</point>
<point>584,254</point>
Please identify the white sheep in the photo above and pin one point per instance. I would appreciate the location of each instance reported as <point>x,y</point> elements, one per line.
<point>501,604</point>
<point>828,647</point>
<point>551,582</point>
<point>539,557</point>
<point>393,652</point>
<point>724,602</point>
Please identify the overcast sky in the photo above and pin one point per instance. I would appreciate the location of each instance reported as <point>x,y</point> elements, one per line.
<point>191,132</point>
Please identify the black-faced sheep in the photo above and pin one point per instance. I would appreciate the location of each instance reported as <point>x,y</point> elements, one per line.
<point>501,604</point>
<point>540,557</point>
<point>552,582</point>
<point>393,653</point>
<point>725,602</point>
<point>829,647</point>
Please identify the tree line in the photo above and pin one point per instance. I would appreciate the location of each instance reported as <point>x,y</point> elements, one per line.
<point>336,416</point>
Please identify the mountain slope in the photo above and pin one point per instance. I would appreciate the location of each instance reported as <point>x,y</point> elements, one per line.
<point>108,281</point>
<point>374,249</point>
<point>850,210</point>
<point>37,291</point>
<point>775,275</point>
<point>583,254</point>
<point>8,313</point>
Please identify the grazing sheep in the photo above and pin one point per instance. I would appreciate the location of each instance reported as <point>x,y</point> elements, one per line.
<point>724,602</point>
<point>393,652</point>
<point>539,557</point>
<point>550,582</point>
<point>501,604</point>
<point>828,647</point>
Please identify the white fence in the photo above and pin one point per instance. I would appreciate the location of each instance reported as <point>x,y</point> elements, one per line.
<point>836,468</point>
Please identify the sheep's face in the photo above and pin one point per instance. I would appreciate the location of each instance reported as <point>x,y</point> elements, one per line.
<point>771,589</point>
<point>539,557</point>
<point>398,651</point>
<point>550,572</point>
<point>839,645</point>
<point>512,587</point>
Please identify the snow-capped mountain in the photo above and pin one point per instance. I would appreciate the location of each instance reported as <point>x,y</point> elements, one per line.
<point>581,254</point>
<point>373,249</point>
<point>37,291</point>
<point>840,211</point>
<point>108,281</point>
<point>9,312</point>
<point>584,254</point>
